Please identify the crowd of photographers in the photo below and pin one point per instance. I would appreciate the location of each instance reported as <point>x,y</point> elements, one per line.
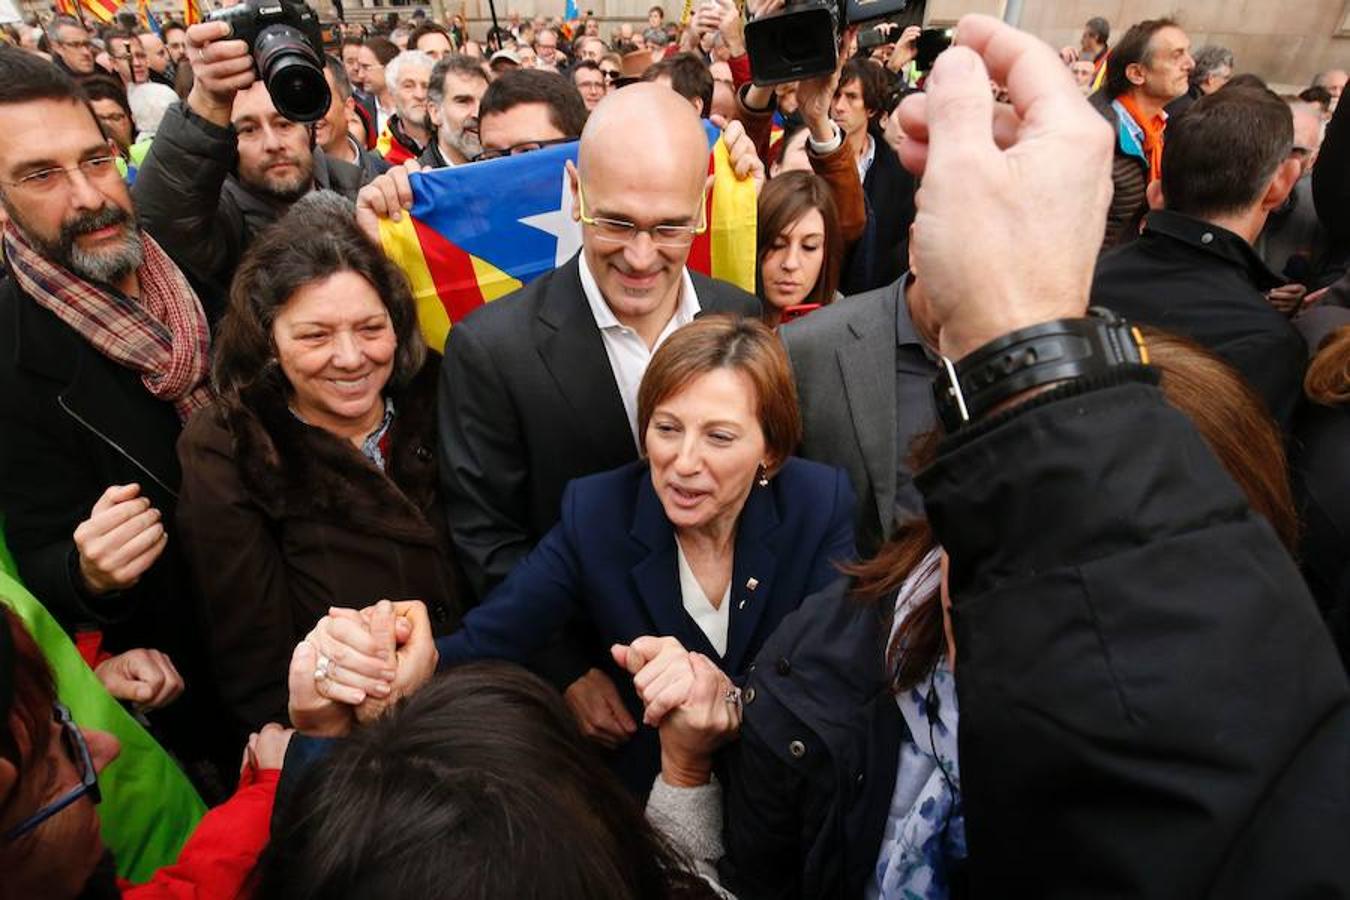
<point>905,574</point>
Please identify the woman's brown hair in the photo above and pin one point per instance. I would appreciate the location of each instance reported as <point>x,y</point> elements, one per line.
<point>1231,419</point>
<point>729,342</point>
<point>784,200</point>
<point>1328,379</point>
<point>316,239</point>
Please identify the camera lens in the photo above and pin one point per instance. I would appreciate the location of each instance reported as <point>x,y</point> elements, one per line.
<point>293,74</point>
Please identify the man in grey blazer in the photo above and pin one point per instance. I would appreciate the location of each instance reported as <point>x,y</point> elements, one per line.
<point>864,381</point>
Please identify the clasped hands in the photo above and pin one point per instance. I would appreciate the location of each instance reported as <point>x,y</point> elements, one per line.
<point>355,664</point>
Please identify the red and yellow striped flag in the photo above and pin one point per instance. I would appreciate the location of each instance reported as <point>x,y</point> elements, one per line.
<point>192,12</point>
<point>102,10</point>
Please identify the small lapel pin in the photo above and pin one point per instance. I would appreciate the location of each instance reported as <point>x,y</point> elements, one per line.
<point>752,584</point>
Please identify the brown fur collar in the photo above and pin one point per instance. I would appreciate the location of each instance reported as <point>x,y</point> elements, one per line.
<point>296,470</point>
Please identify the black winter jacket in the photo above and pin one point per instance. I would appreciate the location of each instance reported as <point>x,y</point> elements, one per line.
<point>809,783</point>
<point>1150,703</point>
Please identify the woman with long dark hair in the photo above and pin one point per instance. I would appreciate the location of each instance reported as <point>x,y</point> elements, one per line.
<point>311,482</point>
<point>800,244</point>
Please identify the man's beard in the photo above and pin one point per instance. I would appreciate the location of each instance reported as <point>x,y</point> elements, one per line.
<point>465,142</point>
<point>281,188</point>
<point>109,264</point>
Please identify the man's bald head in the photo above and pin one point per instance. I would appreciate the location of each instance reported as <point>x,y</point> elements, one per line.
<point>649,127</point>
<point>643,163</point>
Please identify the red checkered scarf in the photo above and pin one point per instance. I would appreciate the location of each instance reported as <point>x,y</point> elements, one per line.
<point>164,336</point>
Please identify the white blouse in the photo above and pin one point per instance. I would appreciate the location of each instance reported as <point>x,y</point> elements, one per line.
<point>712,620</point>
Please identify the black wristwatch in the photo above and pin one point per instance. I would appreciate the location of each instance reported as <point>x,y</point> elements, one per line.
<point>966,391</point>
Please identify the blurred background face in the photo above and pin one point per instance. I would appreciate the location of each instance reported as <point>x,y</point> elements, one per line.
<point>1167,74</point>
<point>115,121</point>
<point>351,61</point>
<point>156,54</point>
<point>591,85</point>
<point>435,45</point>
<point>370,72</point>
<point>72,45</point>
<point>410,94</point>
<point>330,132</point>
<point>1082,73</point>
<point>175,41</point>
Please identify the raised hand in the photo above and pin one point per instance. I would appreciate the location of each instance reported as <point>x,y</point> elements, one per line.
<point>221,68</point>
<point>120,540</point>
<point>1013,204</point>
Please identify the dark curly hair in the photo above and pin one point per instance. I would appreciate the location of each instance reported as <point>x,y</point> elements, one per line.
<point>316,238</point>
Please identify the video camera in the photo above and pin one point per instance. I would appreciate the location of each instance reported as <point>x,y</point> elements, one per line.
<point>802,39</point>
<point>287,45</point>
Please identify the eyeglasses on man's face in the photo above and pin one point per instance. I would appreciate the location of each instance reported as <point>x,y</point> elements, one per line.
<point>621,231</point>
<point>50,179</point>
<point>522,147</point>
<point>77,750</point>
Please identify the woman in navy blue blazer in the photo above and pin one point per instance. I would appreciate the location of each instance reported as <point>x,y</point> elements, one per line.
<point>712,538</point>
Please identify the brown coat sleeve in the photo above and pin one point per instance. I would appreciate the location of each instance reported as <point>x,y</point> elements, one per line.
<point>758,124</point>
<point>240,575</point>
<point>840,172</point>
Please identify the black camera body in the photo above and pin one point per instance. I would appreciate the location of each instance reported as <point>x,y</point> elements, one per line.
<point>287,44</point>
<point>802,39</point>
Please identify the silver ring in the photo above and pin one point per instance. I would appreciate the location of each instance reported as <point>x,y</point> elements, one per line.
<point>733,696</point>
<point>321,669</point>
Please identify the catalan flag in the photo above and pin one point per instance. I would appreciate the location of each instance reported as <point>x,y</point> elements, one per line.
<point>102,10</point>
<point>471,240</point>
<point>192,12</point>
<point>69,8</point>
<point>149,21</point>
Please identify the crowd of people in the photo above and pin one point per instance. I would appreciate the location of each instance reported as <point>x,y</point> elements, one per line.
<point>998,543</point>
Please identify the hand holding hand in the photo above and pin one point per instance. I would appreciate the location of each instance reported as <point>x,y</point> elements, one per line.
<point>145,677</point>
<point>1013,205</point>
<point>267,748</point>
<point>695,703</point>
<point>120,540</point>
<point>598,709</point>
<point>221,68</point>
<point>385,197</point>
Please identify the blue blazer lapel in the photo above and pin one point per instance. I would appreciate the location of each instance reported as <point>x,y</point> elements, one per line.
<point>752,574</point>
<point>656,577</point>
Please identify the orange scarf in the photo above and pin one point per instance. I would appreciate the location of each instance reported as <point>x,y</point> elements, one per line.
<point>1153,135</point>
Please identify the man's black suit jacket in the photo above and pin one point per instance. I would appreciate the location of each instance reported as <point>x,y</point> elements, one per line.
<point>527,403</point>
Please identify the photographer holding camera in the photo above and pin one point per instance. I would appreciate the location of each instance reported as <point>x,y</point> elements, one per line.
<point>226,162</point>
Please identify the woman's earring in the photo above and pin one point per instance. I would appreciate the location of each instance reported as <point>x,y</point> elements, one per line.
<point>763,476</point>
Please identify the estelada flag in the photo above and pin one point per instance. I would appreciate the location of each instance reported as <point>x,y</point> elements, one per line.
<point>192,12</point>
<point>149,21</point>
<point>478,232</point>
<point>102,10</point>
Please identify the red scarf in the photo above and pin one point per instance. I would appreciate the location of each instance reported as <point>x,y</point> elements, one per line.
<point>163,336</point>
<point>1153,134</point>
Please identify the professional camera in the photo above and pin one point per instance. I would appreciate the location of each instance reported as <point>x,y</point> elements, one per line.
<point>287,46</point>
<point>801,40</point>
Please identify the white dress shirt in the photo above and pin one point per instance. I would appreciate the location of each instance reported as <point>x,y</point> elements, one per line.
<point>627,351</point>
<point>712,620</point>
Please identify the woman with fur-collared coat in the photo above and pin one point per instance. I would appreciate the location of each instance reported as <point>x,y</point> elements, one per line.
<point>311,482</point>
